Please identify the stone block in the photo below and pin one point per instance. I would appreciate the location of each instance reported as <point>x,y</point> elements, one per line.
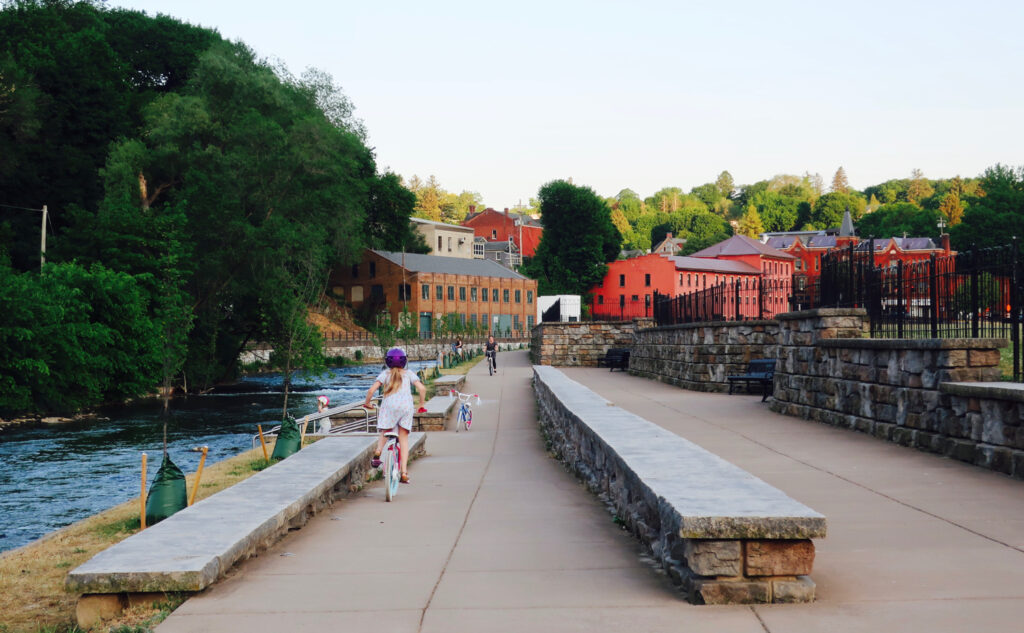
<point>982,357</point>
<point>714,558</point>
<point>791,591</point>
<point>93,609</point>
<point>726,592</point>
<point>779,558</point>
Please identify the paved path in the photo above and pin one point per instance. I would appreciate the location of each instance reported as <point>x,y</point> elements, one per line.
<point>492,535</point>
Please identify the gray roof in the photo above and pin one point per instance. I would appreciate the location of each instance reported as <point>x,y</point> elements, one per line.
<point>454,227</point>
<point>714,265</point>
<point>416,263</point>
<point>810,241</point>
<point>500,246</point>
<point>905,243</point>
<point>741,245</point>
<point>846,230</point>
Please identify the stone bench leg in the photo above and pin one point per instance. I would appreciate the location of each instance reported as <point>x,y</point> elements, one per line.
<point>93,608</point>
<point>745,571</point>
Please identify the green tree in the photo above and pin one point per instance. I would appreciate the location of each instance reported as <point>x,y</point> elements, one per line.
<point>829,209</point>
<point>750,224</point>
<point>579,238</point>
<point>893,220</point>
<point>389,207</point>
<point>919,188</point>
<point>778,212</point>
<point>726,185</point>
<point>993,214</point>
<point>839,182</point>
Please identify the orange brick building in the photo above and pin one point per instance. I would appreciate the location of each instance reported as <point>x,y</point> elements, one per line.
<point>481,292</point>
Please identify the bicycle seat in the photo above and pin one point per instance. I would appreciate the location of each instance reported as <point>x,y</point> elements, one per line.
<point>391,434</point>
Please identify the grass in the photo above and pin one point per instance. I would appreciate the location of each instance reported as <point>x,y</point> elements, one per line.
<point>32,595</point>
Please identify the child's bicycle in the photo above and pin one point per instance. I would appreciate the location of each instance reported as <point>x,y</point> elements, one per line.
<point>465,417</point>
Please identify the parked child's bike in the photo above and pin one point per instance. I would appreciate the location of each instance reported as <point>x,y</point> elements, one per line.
<point>465,417</point>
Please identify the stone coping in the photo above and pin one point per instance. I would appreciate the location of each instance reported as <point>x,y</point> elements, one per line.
<point>914,343</point>
<point>703,324</point>
<point>195,547</point>
<point>713,498</point>
<point>437,407</point>
<point>821,312</point>
<point>1013,391</point>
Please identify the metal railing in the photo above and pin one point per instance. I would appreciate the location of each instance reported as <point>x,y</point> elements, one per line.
<point>744,299</point>
<point>367,423</point>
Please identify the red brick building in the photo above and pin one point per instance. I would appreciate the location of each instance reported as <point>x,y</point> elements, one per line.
<point>495,226</point>
<point>481,292</point>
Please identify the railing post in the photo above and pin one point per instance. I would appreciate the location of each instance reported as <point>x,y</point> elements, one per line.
<point>901,299</point>
<point>1014,310</point>
<point>975,308</point>
<point>736,291</point>
<point>933,294</point>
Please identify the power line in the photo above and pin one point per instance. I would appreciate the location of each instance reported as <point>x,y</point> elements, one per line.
<point>11,206</point>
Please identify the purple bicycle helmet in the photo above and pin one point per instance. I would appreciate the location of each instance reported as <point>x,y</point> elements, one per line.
<point>396,358</point>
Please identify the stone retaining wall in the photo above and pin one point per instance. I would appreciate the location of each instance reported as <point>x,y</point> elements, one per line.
<point>896,389</point>
<point>721,534</point>
<point>699,356</point>
<point>581,343</point>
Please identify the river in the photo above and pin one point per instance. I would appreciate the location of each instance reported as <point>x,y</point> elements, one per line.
<point>53,476</point>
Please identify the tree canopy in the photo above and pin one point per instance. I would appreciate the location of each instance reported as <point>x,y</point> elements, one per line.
<point>579,239</point>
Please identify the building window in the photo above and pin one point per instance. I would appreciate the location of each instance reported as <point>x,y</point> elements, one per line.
<point>404,292</point>
<point>647,279</point>
<point>451,293</point>
<point>504,295</point>
<point>472,295</point>
<point>462,293</point>
<point>635,298</point>
<point>483,294</point>
<point>426,292</point>
<point>472,320</point>
<point>529,322</point>
<point>622,281</point>
<point>519,296</point>
<point>622,300</point>
<point>494,234</point>
<point>529,296</point>
<point>377,291</point>
<point>440,243</point>
<point>515,323</point>
<point>355,271</point>
<point>449,244</point>
<point>373,269</point>
<point>494,295</point>
<point>600,299</point>
<point>439,295</point>
<point>483,320</point>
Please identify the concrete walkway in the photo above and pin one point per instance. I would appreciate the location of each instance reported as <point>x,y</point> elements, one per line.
<point>492,535</point>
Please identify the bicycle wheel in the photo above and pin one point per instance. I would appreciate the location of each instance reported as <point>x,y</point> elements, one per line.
<point>458,420</point>
<point>391,472</point>
<point>469,418</point>
<point>490,365</point>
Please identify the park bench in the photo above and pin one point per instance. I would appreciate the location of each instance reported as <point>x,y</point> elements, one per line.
<point>722,534</point>
<point>761,371</point>
<point>615,357</point>
<point>195,547</point>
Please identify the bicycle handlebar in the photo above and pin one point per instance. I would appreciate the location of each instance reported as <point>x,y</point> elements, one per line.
<point>463,397</point>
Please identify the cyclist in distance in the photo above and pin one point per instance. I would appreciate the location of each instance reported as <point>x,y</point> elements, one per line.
<point>396,405</point>
<point>491,351</point>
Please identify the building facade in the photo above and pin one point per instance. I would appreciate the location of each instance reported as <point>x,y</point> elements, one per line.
<point>495,226</point>
<point>479,294</point>
<point>447,240</point>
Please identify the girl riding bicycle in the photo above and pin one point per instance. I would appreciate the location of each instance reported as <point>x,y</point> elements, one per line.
<point>396,405</point>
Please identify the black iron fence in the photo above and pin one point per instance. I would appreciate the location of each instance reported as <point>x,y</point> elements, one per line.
<point>622,310</point>
<point>740,300</point>
<point>973,294</point>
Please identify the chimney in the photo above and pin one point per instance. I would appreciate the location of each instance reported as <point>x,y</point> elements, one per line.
<point>668,236</point>
<point>945,242</point>
<point>472,208</point>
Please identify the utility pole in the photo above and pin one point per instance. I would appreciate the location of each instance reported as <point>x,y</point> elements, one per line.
<point>42,254</point>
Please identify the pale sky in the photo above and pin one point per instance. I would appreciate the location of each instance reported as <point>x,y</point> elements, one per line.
<point>500,98</point>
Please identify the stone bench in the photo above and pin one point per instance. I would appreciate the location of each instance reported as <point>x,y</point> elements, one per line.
<point>445,383</point>
<point>438,408</point>
<point>722,534</point>
<point>195,547</point>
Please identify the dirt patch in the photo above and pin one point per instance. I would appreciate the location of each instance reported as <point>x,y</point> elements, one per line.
<point>333,318</point>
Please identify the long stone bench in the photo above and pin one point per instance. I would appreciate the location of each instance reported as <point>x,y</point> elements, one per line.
<point>722,534</point>
<point>438,408</point>
<point>194,548</point>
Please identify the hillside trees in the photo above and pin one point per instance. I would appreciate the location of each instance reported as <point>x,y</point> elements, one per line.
<point>579,238</point>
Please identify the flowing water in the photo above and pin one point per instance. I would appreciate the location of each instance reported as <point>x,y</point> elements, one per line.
<point>53,476</point>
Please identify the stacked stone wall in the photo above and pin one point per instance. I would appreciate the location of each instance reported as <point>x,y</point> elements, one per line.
<point>580,344</point>
<point>700,356</point>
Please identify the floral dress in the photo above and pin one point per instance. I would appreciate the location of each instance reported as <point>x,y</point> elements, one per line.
<point>396,408</point>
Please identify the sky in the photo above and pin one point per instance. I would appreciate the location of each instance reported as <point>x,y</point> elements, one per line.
<point>500,98</point>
